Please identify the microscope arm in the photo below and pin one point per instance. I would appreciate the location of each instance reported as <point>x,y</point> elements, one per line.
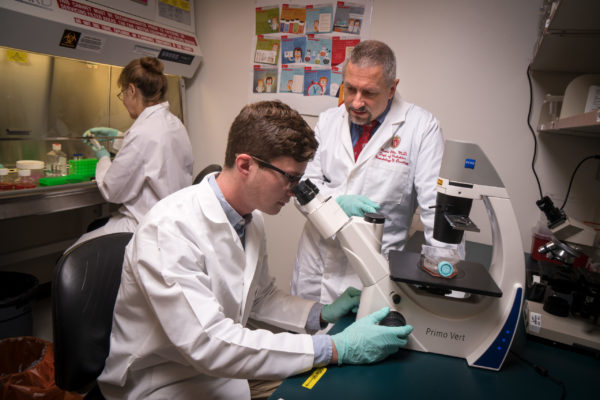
<point>358,239</point>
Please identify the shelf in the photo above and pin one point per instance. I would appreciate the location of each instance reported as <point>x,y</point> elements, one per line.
<point>580,15</point>
<point>587,124</point>
<point>54,138</point>
<point>570,41</point>
<point>49,199</point>
<point>567,53</point>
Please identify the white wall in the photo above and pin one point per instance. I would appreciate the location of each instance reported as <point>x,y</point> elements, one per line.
<point>464,60</point>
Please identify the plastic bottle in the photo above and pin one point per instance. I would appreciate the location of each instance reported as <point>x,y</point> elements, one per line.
<point>24,181</point>
<point>5,182</point>
<point>56,161</point>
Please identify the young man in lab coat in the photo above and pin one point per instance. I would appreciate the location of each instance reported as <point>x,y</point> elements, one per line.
<point>390,167</point>
<point>196,270</point>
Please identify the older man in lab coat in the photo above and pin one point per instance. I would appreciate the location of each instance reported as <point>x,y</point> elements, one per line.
<point>196,270</point>
<point>375,151</point>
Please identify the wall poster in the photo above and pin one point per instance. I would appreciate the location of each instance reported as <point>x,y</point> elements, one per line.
<point>299,50</point>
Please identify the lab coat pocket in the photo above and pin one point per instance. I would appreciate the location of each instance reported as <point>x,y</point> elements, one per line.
<point>386,179</point>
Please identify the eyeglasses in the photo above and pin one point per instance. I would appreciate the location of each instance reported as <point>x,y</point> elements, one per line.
<point>293,179</point>
<point>120,94</point>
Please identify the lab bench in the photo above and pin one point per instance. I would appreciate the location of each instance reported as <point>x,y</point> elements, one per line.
<point>416,375</point>
<point>49,199</point>
<point>39,224</point>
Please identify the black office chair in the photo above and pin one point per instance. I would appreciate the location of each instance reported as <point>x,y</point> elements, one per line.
<point>84,291</point>
<point>206,171</point>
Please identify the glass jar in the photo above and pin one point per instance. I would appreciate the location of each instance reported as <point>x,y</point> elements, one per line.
<point>24,181</point>
<point>35,167</point>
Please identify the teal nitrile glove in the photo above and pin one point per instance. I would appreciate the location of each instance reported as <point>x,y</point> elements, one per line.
<point>356,205</point>
<point>104,131</point>
<point>93,143</point>
<point>99,150</point>
<point>347,302</point>
<point>102,153</point>
<point>366,342</point>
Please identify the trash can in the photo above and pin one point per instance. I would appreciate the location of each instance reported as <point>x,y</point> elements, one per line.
<point>27,370</point>
<point>17,293</point>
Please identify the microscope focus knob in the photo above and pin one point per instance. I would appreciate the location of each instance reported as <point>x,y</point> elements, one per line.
<point>394,318</point>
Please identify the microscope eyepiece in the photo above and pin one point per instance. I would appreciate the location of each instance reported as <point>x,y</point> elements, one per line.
<point>305,191</point>
<point>554,215</point>
<point>374,218</point>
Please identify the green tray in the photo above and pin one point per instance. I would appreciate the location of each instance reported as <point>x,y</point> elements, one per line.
<point>62,180</point>
<point>85,167</point>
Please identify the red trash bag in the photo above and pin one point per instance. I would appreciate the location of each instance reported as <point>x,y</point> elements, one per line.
<point>27,370</point>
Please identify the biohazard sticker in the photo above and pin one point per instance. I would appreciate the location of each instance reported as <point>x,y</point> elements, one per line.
<point>70,39</point>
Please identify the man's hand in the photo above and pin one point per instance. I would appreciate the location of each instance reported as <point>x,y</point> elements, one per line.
<point>366,342</point>
<point>347,302</point>
<point>356,205</point>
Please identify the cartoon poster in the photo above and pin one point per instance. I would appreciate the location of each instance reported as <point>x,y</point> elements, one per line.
<point>318,51</point>
<point>267,20</point>
<point>335,82</point>
<point>291,80</point>
<point>293,19</point>
<point>341,49</point>
<point>318,19</point>
<point>265,79</point>
<point>292,36</point>
<point>267,50</point>
<point>293,49</point>
<point>348,18</point>
<point>316,81</point>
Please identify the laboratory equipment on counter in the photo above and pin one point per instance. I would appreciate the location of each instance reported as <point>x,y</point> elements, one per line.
<point>35,167</point>
<point>6,183</point>
<point>563,303</point>
<point>570,237</point>
<point>56,161</point>
<point>24,181</point>
<point>473,315</point>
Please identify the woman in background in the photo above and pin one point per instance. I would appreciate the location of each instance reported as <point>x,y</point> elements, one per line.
<point>155,156</point>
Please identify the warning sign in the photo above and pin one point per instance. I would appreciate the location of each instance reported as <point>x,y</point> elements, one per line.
<point>70,39</point>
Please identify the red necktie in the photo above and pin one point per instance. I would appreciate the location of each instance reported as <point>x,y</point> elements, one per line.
<point>367,129</point>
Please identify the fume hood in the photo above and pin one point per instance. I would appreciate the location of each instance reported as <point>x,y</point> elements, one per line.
<point>111,32</point>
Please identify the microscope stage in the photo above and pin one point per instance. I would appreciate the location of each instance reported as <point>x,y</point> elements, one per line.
<point>471,277</point>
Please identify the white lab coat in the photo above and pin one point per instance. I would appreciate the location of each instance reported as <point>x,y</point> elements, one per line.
<point>187,289</point>
<point>398,168</point>
<point>154,161</point>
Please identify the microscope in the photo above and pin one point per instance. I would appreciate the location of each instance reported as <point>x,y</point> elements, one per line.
<point>563,301</point>
<point>478,324</point>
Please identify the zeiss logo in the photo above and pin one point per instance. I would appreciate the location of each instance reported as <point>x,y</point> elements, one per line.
<point>469,163</point>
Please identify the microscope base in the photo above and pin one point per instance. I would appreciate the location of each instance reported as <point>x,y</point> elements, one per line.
<point>571,331</point>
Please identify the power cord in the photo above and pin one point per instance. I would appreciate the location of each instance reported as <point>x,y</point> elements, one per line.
<point>543,372</point>
<point>532,131</point>
<point>595,156</point>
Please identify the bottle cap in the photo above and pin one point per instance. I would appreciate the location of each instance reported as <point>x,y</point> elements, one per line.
<point>30,164</point>
<point>445,269</point>
<point>24,172</point>
<point>56,146</point>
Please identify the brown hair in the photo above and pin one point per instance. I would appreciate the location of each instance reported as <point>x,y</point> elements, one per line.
<point>267,130</point>
<point>146,74</point>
